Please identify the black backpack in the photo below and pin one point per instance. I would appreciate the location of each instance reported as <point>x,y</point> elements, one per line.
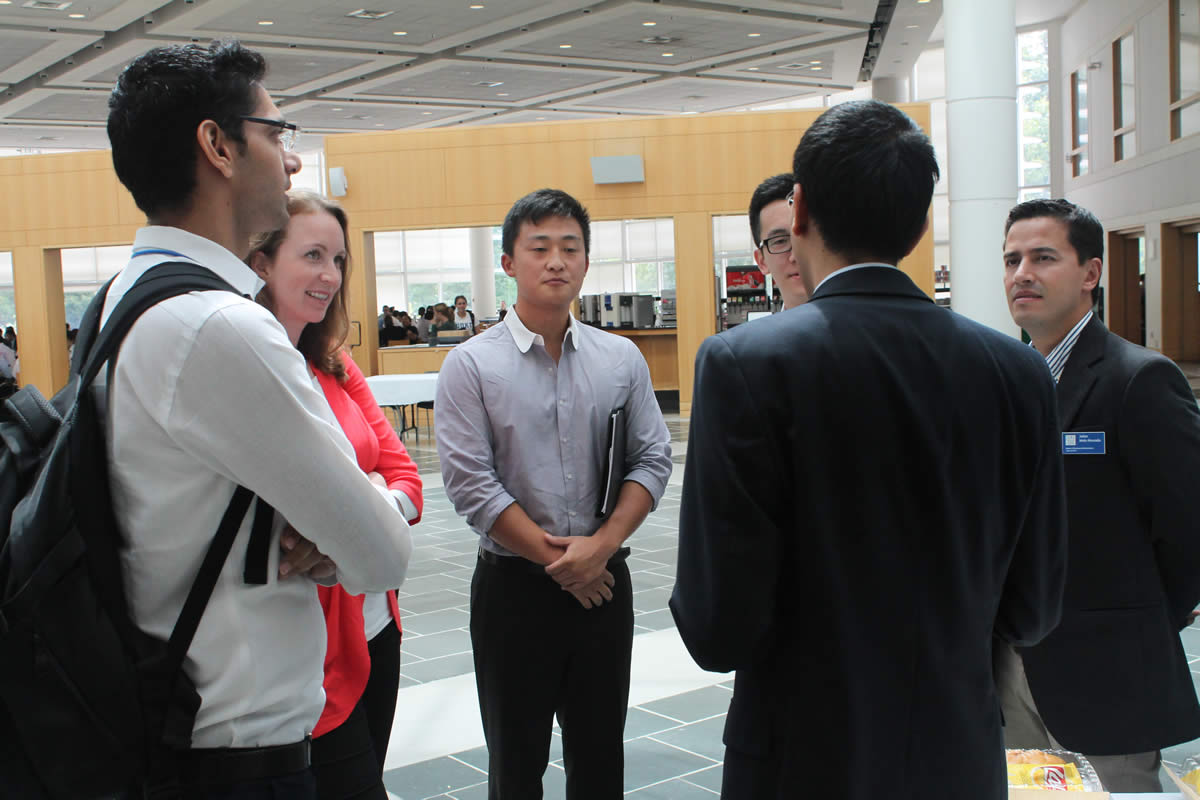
<point>90,706</point>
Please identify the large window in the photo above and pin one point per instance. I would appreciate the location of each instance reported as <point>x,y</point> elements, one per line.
<point>8,303</point>
<point>1185,68</point>
<point>1124,115</point>
<point>1079,122</point>
<point>1033,113</point>
<point>84,271</point>
<point>421,268</point>
<point>632,255</point>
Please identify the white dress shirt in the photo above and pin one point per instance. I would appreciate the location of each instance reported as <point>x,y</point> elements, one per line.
<point>208,393</point>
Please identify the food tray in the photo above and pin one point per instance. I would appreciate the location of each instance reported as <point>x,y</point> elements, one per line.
<point>1050,777</point>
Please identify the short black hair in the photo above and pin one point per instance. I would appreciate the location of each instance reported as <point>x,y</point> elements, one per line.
<point>867,172</point>
<point>536,206</point>
<point>1084,231</point>
<point>776,187</point>
<point>159,101</point>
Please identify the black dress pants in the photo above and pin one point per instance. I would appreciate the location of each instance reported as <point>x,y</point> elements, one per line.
<point>538,653</point>
<point>298,786</point>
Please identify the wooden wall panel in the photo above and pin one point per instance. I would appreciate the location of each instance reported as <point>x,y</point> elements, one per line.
<point>41,318</point>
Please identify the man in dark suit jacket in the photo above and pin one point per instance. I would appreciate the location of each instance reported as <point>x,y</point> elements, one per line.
<point>1112,680</point>
<point>873,487</point>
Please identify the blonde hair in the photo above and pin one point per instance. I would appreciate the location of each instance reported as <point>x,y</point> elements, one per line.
<point>320,342</point>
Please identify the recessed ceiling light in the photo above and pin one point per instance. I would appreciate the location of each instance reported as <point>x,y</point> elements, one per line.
<point>476,6</point>
<point>912,27</point>
<point>336,108</point>
<point>5,2</point>
<point>752,69</point>
<point>76,16</point>
<point>667,55</point>
<point>378,124</point>
<point>922,2</point>
<point>816,69</point>
<point>265,22</point>
<point>690,112</point>
<point>399,33</point>
<point>649,24</point>
<point>501,94</point>
<point>753,35</point>
<point>564,47</point>
<point>539,117</point>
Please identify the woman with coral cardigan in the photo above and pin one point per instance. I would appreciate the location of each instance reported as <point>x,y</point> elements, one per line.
<point>304,266</point>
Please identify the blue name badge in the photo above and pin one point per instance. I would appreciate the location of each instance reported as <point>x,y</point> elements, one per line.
<point>1083,444</point>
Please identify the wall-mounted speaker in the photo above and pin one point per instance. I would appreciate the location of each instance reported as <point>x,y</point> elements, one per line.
<point>618,169</point>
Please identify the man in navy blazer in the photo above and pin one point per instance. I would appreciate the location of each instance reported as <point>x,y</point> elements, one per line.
<point>873,487</point>
<point>1112,680</point>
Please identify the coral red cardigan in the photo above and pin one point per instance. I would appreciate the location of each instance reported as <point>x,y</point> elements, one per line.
<point>378,449</point>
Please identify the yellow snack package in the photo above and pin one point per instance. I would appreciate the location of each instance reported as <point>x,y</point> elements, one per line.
<point>1192,779</point>
<point>1053,777</point>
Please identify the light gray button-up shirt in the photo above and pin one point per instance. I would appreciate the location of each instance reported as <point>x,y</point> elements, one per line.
<point>513,426</point>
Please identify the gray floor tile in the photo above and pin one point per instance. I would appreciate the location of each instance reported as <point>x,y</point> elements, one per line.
<point>648,762</point>
<point>658,620</point>
<point>461,560</point>
<point>652,599</point>
<point>648,580</point>
<point>430,778</point>
<point>708,778</point>
<point>437,645</point>
<point>437,668</point>
<point>692,706</point>
<point>437,621</point>
<point>677,789</point>
<point>426,584</point>
<point>639,723</point>
<point>432,601</point>
<point>476,792</point>
<point>702,738</point>
<point>477,758</point>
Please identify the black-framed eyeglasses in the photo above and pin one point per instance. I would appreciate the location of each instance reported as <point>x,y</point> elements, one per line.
<point>778,245</point>
<point>289,132</point>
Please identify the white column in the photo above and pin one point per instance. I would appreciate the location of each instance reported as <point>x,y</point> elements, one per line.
<point>891,90</point>
<point>483,274</point>
<point>981,121</point>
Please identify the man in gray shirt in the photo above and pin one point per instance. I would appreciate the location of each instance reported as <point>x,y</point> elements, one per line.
<point>522,417</point>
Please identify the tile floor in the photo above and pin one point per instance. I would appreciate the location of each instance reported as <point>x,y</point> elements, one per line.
<point>673,745</point>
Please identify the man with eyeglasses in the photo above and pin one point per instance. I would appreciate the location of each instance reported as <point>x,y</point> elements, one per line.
<point>209,394</point>
<point>770,225</point>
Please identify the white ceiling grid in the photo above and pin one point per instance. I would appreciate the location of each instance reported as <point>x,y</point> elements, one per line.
<point>371,65</point>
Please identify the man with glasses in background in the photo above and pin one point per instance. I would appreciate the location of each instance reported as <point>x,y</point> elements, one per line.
<point>770,225</point>
<point>209,394</point>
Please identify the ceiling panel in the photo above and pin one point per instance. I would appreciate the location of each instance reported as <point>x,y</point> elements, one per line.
<point>685,95</point>
<point>424,26</point>
<point>89,15</point>
<point>331,116</point>
<point>659,37</point>
<point>53,138</point>
<point>486,82</point>
<point>830,64</point>
<point>859,10</point>
<point>58,105</point>
<point>540,115</point>
<point>23,53</point>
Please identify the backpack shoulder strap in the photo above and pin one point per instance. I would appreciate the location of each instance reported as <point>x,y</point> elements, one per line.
<point>157,284</point>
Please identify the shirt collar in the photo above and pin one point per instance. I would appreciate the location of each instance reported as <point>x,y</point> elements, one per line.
<point>526,338</point>
<point>204,252</point>
<point>1056,359</point>
<point>849,269</point>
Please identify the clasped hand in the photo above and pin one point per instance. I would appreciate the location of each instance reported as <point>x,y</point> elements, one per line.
<point>582,569</point>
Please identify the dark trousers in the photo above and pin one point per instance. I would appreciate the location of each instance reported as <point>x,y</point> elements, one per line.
<point>538,653</point>
<point>747,777</point>
<point>298,786</point>
<point>348,760</point>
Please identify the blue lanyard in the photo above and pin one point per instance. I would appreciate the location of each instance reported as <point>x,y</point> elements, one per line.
<point>158,252</point>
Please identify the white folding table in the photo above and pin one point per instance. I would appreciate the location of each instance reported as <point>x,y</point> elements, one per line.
<point>403,392</point>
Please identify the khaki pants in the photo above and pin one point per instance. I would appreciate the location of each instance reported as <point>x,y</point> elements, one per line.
<point>1024,729</point>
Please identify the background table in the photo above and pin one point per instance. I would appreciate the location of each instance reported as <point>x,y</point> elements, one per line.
<point>404,391</point>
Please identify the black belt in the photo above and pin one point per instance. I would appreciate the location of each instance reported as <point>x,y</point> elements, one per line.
<point>232,765</point>
<point>519,564</point>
